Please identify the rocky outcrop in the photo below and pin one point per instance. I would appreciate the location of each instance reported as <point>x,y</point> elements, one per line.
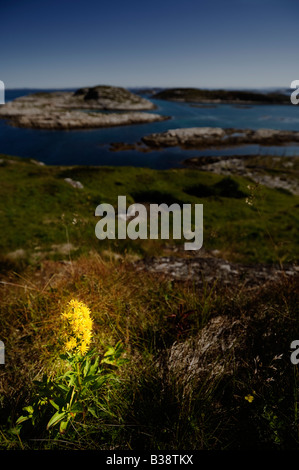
<point>79,120</point>
<point>110,98</point>
<point>271,171</point>
<point>85,108</point>
<point>185,137</point>
<point>205,137</point>
<point>74,184</point>
<point>207,355</point>
<point>204,267</point>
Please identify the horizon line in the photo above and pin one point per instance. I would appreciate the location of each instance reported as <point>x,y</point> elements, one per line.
<point>145,87</point>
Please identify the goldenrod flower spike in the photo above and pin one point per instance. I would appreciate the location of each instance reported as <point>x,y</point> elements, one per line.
<point>78,327</point>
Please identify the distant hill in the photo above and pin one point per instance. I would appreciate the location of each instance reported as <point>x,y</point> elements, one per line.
<point>198,95</point>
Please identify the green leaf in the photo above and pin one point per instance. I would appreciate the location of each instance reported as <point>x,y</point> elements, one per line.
<point>63,387</point>
<point>94,366</point>
<point>89,378</point>
<point>99,382</point>
<point>63,426</point>
<point>72,380</point>
<point>112,355</point>
<point>64,356</point>
<point>54,405</point>
<point>86,367</point>
<point>67,375</point>
<point>22,419</point>
<point>56,418</point>
<point>29,409</point>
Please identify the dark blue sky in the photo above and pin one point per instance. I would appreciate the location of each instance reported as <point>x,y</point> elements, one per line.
<point>220,43</point>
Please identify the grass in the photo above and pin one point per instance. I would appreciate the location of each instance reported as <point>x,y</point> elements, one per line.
<point>236,338</point>
<point>41,210</point>
<point>153,404</point>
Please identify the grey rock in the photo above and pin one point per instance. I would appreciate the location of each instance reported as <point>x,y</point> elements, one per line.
<point>202,267</point>
<point>205,137</point>
<point>75,184</point>
<point>247,167</point>
<point>79,110</point>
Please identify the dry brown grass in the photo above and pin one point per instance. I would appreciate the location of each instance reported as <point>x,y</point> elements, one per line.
<point>154,318</point>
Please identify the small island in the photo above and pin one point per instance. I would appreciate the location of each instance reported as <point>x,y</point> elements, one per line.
<point>198,95</point>
<point>99,106</point>
<point>208,137</point>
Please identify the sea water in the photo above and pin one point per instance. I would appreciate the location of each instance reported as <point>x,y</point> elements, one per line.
<point>92,146</point>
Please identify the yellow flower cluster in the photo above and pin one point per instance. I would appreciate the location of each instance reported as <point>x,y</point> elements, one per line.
<point>249,398</point>
<point>78,327</point>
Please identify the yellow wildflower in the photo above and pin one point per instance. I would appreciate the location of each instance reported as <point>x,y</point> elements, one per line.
<point>249,398</point>
<point>83,348</point>
<point>70,344</point>
<point>78,325</point>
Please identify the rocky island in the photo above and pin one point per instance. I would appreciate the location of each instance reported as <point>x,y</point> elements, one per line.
<point>99,106</point>
<point>197,95</point>
<point>206,137</point>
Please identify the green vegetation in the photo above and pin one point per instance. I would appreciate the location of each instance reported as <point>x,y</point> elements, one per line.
<point>129,385</point>
<point>43,213</point>
<point>243,392</point>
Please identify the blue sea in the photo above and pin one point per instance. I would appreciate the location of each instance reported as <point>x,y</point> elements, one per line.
<point>92,146</point>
